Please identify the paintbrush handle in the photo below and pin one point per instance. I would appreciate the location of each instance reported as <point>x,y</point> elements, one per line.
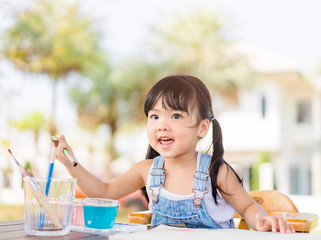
<point>43,200</point>
<point>23,171</point>
<point>51,166</point>
<point>33,183</point>
<point>53,154</point>
<point>70,157</point>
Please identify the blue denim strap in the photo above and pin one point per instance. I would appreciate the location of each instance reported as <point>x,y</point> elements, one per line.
<point>158,173</point>
<point>200,179</point>
<point>158,177</point>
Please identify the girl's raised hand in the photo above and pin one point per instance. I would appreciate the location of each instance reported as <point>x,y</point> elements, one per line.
<point>60,155</point>
<point>274,224</point>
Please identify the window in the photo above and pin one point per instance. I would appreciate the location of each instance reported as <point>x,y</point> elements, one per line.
<point>300,180</point>
<point>303,111</point>
<point>263,106</point>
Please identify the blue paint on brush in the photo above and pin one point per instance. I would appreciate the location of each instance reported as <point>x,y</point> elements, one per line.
<point>51,166</point>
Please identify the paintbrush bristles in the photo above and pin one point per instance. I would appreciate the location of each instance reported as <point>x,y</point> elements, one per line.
<point>56,142</point>
<point>14,157</point>
<point>23,171</point>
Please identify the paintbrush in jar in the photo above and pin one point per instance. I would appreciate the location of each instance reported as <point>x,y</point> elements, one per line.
<point>22,170</point>
<point>39,194</point>
<point>51,164</point>
<point>50,170</point>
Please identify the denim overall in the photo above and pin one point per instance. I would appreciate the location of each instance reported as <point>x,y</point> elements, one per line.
<point>191,213</point>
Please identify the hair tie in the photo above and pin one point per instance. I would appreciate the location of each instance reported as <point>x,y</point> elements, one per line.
<point>213,118</point>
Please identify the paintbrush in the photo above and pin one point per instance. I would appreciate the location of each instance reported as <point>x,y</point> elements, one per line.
<point>51,164</point>
<point>50,170</point>
<point>39,194</point>
<point>23,171</point>
<point>70,157</point>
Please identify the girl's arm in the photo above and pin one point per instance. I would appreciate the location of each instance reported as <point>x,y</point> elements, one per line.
<point>254,214</point>
<point>92,186</point>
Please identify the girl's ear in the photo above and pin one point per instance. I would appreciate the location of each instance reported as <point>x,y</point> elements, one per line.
<point>203,128</point>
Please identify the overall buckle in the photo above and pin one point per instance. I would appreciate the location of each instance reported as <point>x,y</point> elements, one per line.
<point>198,200</point>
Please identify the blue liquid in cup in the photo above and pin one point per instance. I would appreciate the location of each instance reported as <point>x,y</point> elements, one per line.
<point>100,217</point>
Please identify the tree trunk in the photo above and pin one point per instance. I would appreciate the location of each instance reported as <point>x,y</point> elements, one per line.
<point>111,149</point>
<point>33,162</point>
<point>52,122</point>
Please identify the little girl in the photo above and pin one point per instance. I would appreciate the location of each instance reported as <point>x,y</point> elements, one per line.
<point>184,186</point>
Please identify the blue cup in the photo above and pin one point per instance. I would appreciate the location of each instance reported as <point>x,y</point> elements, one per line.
<point>100,213</point>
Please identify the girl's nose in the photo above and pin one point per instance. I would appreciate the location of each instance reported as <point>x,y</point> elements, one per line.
<point>162,126</point>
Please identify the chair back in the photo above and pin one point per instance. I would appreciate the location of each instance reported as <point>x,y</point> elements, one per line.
<point>278,204</point>
<point>273,201</point>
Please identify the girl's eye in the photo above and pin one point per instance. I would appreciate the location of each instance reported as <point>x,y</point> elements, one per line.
<point>176,116</point>
<point>154,116</point>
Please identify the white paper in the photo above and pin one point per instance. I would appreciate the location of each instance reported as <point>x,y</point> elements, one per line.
<point>163,232</point>
<point>118,228</point>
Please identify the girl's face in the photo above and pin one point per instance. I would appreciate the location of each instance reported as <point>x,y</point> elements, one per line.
<point>174,133</point>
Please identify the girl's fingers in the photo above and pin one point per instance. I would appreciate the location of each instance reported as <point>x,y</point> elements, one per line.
<point>62,144</point>
<point>274,223</point>
<point>282,225</point>
<point>260,223</point>
<point>291,228</point>
<point>61,137</point>
<point>285,227</point>
<point>61,155</point>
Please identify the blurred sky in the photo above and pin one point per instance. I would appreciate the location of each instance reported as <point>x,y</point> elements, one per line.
<point>289,28</point>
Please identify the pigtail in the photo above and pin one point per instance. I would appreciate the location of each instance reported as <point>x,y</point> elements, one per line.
<point>151,154</point>
<point>217,158</point>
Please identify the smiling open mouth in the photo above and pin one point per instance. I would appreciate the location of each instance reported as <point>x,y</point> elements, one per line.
<point>165,140</point>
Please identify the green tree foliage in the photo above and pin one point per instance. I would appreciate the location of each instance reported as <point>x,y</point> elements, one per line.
<point>112,96</point>
<point>53,38</point>
<point>254,180</point>
<point>197,43</point>
<point>134,79</point>
<point>34,122</point>
<point>96,97</point>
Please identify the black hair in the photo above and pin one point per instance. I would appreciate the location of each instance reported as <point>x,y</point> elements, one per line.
<point>178,92</point>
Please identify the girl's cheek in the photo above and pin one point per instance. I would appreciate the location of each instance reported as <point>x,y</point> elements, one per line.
<point>151,125</point>
<point>150,133</point>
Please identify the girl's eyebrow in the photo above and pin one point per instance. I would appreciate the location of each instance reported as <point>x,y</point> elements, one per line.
<point>167,109</point>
